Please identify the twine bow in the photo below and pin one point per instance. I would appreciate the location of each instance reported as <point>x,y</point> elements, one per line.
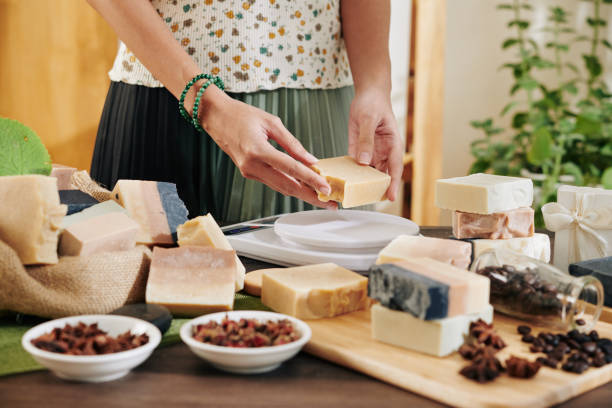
<point>584,224</point>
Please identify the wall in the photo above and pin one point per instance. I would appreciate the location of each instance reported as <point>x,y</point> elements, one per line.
<point>53,72</point>
<point>474,87</point>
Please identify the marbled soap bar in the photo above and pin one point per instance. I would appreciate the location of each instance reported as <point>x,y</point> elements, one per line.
<point>406,247</point>
<point>600,268</point>
<point>536,246</point>
<point>156,206</point>
<point>483,193</point>
<point>501,225</point>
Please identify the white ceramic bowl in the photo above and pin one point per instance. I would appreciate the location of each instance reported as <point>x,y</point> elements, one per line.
<point>245,360</point>
<point>99,368</point>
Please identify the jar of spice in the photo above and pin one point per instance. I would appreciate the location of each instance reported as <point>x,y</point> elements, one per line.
<point>532,290</point>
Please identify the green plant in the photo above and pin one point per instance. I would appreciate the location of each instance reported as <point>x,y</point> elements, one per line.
<point>564,129</point>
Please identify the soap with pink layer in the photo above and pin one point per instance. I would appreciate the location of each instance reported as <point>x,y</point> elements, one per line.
<point>407,247</point>
<point>517,223</point>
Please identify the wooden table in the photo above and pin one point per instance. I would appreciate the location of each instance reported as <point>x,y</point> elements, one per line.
<point>174,377</point>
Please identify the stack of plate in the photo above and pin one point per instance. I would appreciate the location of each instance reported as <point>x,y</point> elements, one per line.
<point>349,238</point>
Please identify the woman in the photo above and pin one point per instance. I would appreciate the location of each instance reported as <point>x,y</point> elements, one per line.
<point>285,65</point>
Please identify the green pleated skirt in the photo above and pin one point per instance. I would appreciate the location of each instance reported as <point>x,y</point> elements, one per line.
<point>142,136</point>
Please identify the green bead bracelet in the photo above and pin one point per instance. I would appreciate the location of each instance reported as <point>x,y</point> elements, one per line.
<point>217,81</point>
<point>182,109</point>
<point>196,107</point>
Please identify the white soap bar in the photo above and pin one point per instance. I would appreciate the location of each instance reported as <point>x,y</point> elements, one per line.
<point>437,337</point>
<point>536,246</point>
<point>96,210</point>
<point>204,231</point>
<point>484,193</point>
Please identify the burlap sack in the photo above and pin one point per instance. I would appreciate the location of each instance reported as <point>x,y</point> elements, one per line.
<point>99,283</point>
<point>82,181</point>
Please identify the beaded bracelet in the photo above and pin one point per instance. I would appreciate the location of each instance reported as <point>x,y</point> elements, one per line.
<point>182,109</point>
<point>217,81</point>
<point>196,106</point>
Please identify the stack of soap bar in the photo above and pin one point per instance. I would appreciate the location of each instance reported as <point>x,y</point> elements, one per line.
<point>192,280</point>
<point>484,193</point>
<point>102,208</point>
<point>30,218</point>
<point>500,225</point>
<point>156,206</point>
<point>63,174</point>
<point>536,246</point>
<point>352,184</point>
<point>406,247</point>
<point>437,337</point>
<point>76,200</point>
<point>600,268</point>
<point>428,289</point>
<point>314,291</point>
<point>105,233</point>
<point>205,231</point>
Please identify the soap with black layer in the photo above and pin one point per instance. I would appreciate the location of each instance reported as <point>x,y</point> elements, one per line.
<point>600,268</point>
<point>76,200</point>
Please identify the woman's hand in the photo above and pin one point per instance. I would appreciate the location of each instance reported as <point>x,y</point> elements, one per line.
<point>243,132</point>
<point>373,136</point>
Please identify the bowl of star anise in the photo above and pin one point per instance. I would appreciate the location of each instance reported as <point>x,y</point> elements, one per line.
<point>91,348</point>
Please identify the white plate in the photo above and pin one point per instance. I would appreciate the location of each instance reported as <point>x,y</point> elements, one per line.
<point>343,228</point>
<point>98,368</point>
<point>245,360</point>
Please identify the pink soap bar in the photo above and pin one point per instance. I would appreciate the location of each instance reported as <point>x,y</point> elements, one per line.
<point>63,174</point>
<point>502,225</point>
<point>105,233</point>
<point>407,247</point>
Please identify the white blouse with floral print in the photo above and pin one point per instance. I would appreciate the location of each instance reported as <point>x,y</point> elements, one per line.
<point>252,44</point>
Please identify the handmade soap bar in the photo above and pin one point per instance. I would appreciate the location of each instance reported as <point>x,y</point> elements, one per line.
<point>63,174</point>
<point>30,218</point>
<point>451,251</point>
<point>537,246</point>
<point>428,289</point>
<point>601,269</point>
<point>192,280</point>
<point>437,337</point>
<point>76,200</point>
<point>582,221</point>
<point>352,184</point>
<point>156,206</point>
<point>500,225</point>
<point>205,231</point>
<point>105,233</point>
<point>314,291</point>
<point>105,207</point>
<point>484,193</point>
<point>252,281</point>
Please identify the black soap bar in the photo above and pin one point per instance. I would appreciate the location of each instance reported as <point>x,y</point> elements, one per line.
<point>600,268</point>
<point>401,289</point>
<point>155,314</point>
<point>76,200</point>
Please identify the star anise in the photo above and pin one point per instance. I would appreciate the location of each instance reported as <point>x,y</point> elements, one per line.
<point>522,368</point>
<point>471,351</point>
<point>485,334</point>
<point>484,368</point>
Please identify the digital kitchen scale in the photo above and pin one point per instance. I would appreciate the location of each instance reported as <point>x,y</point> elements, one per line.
<point>258,240</point>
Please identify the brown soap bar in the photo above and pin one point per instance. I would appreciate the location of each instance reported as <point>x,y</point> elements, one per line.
<point>516,223</point>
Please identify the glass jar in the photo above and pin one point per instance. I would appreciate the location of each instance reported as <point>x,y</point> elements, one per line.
<point>529,289</point>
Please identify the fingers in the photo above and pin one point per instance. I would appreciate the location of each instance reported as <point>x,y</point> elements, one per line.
<point>396,168</point>
<point>365,147</point>
<point>288,142</point>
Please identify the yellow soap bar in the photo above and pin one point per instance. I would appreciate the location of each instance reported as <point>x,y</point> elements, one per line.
<point>314,291</point>
<point>192,280</point>
<point>31,217</point>
<point>352,184</point>
<point>252,281</point>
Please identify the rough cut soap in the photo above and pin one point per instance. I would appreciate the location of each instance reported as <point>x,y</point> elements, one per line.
<point>352,184</point>
<point>483,193</point>
<point>192,280</point>
<point>156,206</point>
<point>31,217</point>
<point>63,174</point>
<point>314,291</point>
<point>406,247</point>
<point>437,337</point>
<point>205,231</point>
<point>501,225</point>
<point>536,246</point>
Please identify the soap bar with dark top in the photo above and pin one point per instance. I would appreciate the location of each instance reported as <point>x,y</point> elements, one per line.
<point>76,200</point>
<point>600,268</point>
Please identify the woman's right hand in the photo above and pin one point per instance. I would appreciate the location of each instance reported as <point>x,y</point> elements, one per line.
<point>243,132</point>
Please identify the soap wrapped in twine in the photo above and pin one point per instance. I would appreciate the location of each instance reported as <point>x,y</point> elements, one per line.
<point>82,181</point>
<point>95,284</point>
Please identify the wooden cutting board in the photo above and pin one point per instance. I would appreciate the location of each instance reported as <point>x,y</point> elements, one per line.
<point>347,340</point>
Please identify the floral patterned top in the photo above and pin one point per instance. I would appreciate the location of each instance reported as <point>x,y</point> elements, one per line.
<point>252,44</point>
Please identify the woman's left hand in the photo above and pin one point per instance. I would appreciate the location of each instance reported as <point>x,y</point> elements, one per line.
<point>374,137</point>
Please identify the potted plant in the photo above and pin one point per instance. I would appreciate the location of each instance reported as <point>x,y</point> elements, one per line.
<point>559,133</point>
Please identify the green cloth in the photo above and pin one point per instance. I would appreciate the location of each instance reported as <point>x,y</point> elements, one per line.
<point>14,359</point>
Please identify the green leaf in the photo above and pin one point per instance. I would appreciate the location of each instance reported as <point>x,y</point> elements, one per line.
<point>606,178</point>
<point>566,126</point>
<point>573,170</point>
<point>519,120</point>
<point>607,44</point>
<point>571,66</point>
<point>508,107</point>
<point>528,83</point>
<point>522,24</point>
<point>582,38</point>
<point>526,6</point>
<point>21,150</point>
<point>505,7</point>
<point>588,125</point>
<point>540,147</point>
<point>570,88</point>
<point>593,22</point>
<point>479,166</point>
<point>509,43</point>
<point>593,65</point>
<point>607,150</point>
<point>594,170</point>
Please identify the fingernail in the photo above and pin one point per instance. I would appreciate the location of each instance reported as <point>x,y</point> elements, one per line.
<point>364,158</point>
<point>326,190</point>
<point>311,158</point>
